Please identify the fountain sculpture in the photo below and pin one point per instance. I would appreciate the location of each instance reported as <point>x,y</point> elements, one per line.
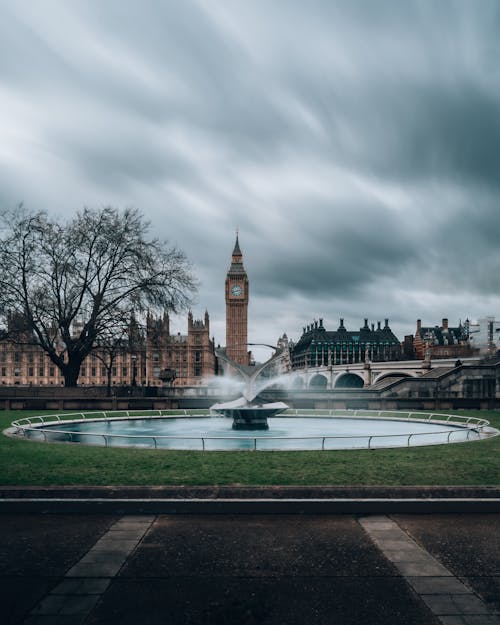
<point>247,414</point>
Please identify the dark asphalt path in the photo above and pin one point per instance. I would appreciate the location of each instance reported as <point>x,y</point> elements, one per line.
<point>247,569</point>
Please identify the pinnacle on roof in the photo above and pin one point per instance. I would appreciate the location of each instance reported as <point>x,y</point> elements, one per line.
<point>237,251</point>
<point>237,259</point>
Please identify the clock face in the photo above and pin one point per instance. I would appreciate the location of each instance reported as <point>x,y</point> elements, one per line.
<point>236,290</point>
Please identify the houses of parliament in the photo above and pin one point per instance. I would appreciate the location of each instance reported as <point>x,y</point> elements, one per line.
<point>153,357</point>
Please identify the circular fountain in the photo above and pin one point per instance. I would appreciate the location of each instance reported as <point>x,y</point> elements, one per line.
<point>321,430</point>
<point>293,430</point>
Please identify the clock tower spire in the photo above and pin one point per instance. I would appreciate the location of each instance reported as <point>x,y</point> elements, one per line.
<point>237,308</point>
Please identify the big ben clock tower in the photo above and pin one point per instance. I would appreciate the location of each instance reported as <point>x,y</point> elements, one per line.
<point>237,308</point>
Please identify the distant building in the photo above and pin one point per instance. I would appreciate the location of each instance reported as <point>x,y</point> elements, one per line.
<point>442,341</point>
<point>152,358</point>
<point>485,335</point>
<point>321,347</point>
<point>237,292</point>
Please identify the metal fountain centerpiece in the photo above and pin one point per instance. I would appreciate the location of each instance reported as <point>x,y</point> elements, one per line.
<point>247,413</point>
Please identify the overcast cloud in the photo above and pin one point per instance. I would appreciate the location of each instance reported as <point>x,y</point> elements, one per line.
<point>356,145</point>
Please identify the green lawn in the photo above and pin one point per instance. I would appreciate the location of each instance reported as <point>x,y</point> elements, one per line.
<point>31,463</point>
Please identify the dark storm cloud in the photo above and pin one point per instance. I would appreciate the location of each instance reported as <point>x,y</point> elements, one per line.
<point>355,144</point>
<point>337,251</point>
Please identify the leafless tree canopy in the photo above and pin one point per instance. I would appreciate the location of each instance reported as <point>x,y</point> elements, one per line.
<point>74,284</point>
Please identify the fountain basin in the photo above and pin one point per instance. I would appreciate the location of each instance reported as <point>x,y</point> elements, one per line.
<point>308,429</point>
<point>249,416</point>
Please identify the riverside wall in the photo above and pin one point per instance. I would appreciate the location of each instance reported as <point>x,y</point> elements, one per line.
<point>60,399</point>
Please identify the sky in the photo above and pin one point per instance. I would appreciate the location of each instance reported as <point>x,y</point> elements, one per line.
<point>355,145</point>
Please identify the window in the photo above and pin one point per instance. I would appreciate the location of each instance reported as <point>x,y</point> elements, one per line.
<point>83,371</point>
<point>124,372</point>
<point>52,372</point>
<point>4,371</point>
<point>113,371</point>
<point>93,372</point>
<point>41,371</point>
<point>30,372</point>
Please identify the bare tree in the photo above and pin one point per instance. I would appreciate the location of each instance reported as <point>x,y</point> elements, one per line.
<point>74,284</point>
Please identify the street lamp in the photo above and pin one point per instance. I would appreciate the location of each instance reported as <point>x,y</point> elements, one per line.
<point>134,369</point>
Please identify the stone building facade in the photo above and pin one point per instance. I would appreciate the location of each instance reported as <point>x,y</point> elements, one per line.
<point>320,347</point>
<point>442,341</point>
<point>153,358</point>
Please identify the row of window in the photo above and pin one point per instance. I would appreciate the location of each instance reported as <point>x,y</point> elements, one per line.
<point>31,372</point>
<point>93,372</point>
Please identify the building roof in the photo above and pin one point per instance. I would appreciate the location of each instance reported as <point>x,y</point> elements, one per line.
<point>443,336</point>
<point>316,332</point>
<point>237,251</point>
<point>237,260</point>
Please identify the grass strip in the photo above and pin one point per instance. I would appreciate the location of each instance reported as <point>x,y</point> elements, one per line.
<point>41,464</point>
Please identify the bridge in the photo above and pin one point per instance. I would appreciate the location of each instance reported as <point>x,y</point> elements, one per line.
<point>365,375</point>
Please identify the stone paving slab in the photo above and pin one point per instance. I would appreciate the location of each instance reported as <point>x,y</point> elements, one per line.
<point>19,594</point>
<point>469,549</point>
<point>88,579</point>
<point>459,604</point>
<point>445,595</point>
<point>78,586</point>
<point>35,553</point>
<point>38,545</point>
<point>437,585</point>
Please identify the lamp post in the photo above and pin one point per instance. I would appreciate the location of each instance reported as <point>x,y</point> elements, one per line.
<point>133,357</point>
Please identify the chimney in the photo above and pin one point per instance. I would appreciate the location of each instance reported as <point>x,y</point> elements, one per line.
<point>445,324</point>
<point>419,325</point>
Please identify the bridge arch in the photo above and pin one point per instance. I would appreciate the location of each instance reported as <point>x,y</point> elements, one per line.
<point>318,381</point>
<point>393,374</point>
<point>349,380</point>
<point>298,382</point>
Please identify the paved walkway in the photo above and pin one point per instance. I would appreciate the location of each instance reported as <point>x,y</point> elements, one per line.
<point>250,569</point>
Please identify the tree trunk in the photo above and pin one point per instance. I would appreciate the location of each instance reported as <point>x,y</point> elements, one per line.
<point>71,373</point>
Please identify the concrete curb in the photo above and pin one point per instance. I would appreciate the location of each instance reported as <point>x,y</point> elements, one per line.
<point>234,505</point>
<point>249,492</point>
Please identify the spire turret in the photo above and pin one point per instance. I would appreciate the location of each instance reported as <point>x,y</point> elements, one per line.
<point>237,259</point>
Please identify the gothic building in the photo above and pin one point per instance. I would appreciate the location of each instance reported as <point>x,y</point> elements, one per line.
<point>442,341</point>
<point>237,309</point>
<point>149,357</point>
<point>320,347</point>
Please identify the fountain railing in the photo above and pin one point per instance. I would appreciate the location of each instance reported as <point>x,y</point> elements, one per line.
<point>31,427</point>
